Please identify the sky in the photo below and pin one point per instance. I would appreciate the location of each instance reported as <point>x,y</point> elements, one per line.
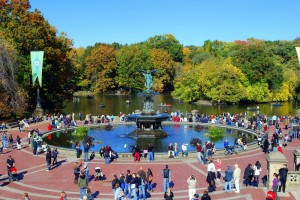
<point>190,21</point>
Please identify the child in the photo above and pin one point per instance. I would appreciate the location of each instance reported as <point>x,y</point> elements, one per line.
<point>286,139</point>
<point>63,196</point>
<point>92,156</point>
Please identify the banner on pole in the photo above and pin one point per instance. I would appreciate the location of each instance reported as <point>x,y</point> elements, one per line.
<point>37,66</point>
<point>298,53</point>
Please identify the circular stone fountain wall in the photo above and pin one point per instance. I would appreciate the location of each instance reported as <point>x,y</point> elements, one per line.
<point>120,140</point>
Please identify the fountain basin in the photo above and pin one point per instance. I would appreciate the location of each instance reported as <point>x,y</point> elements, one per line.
<point>120,140</point>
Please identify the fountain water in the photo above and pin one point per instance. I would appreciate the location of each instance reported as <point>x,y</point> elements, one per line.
<point>148,122</point>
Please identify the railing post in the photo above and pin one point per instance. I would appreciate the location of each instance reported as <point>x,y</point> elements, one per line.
<point>275,161</point>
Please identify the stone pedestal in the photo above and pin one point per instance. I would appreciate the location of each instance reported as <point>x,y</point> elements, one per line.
<point>296,153</point>
<point>38,112</point>
<point>275,161</point>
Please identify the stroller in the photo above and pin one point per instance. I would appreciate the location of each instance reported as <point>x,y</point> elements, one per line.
<point>13,175</point>
<point>98,174</point>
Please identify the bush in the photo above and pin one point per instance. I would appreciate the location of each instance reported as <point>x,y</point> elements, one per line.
<point>215,133</point>
<point>81,132</point>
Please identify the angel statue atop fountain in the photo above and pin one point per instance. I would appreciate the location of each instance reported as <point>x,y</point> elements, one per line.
<point>148,74</point>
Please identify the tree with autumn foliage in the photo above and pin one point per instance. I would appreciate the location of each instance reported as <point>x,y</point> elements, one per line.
<point>27,31</point>
<point>101,68</point>
<point>215,80</point>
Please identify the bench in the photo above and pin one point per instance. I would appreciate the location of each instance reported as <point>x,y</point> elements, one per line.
<point>12,125</point>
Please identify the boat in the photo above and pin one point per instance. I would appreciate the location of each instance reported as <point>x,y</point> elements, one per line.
<point>253,108</point>
<point>127,102</point>
<point>102,105</point>
<point>276,104</point>
<point>165,105</point>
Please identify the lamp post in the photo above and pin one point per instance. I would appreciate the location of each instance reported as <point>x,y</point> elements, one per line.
<point>37,66</point>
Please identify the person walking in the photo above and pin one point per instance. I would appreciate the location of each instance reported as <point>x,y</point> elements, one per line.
<point>1,147</point>
<point>248,175</point>
<point>78,150</point>
<point>82,184</point>
<point>18,141</point>
<point>192,185</point>
<point>236,177</point>
<point>228,179</point>
<point>199,152</point>
<point>10,162</point>
<point>54,155</point>
<point>48,159</point>
<point>34,146</point>
<point>76,168</point>
<point>11,142</point>
<point>211,166</point>
<point>282,177</point>
<point>211,180</point>
<point>257,171</point>
<point>218,167</point>
<point>167,178</point>
<point>86,171</point>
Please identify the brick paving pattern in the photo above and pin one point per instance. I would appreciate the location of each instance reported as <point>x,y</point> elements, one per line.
<point>42,184</point>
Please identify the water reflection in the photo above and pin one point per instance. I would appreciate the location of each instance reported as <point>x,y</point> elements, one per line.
<point>119,140</point>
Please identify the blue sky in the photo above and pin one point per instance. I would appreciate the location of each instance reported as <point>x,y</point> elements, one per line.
<point>190,21</point>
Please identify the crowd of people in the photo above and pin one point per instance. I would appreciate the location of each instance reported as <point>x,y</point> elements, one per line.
<point>137,185</point>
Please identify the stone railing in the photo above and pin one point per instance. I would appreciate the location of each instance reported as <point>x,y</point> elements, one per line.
<point>293,180</point>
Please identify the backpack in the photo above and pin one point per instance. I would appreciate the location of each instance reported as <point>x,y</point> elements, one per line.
<point>166,173</point>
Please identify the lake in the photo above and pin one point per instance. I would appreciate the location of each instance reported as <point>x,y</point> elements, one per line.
<point>114,104</point>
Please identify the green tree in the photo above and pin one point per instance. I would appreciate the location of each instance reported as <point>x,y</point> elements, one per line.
<point>258,65</point>
<point>169,43</point>
<point>130,59</point>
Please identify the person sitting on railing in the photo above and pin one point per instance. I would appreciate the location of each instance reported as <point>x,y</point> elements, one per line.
<point>170,150</point>
<point>3,126</point>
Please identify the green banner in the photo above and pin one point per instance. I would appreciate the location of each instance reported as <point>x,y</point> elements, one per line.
<point>37,66</point>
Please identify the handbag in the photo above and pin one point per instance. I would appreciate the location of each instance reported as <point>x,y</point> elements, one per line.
<point>279,183</point>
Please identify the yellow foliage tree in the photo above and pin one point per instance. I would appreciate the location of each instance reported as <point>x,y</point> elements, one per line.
<point>100,68</point>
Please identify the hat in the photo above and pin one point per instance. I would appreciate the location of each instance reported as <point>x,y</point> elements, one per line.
<point>236,165</point>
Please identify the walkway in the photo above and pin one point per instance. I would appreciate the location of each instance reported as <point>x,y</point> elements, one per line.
<point>41,184</point>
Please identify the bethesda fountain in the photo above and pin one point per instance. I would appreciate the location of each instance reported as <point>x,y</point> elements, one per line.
<point>148,122</point>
